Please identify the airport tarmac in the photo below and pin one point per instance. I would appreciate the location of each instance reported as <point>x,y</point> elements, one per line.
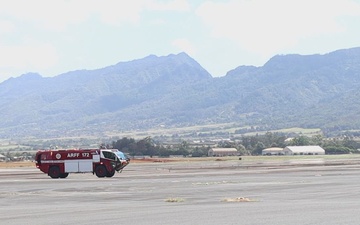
<point>196,193</point>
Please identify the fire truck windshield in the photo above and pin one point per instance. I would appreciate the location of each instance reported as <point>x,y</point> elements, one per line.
<point>121,155</point>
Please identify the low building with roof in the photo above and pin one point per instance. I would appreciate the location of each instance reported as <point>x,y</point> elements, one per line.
<point>273,151</point>
<point>220,152</point>
<point>304,150</point>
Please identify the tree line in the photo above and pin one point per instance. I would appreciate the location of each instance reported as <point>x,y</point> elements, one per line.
<point>150,147</point>
<point>246,145</point>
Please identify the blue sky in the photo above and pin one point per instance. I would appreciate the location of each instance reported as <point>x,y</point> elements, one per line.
<point>54,37</point>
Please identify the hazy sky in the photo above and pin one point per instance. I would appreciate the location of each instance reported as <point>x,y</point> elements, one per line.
<point>57,36</point>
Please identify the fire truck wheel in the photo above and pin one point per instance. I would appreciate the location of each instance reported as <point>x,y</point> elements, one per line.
<point>100,171</point>
<point>110,174</point>
<point>54,172</point>
<point>64,175</point>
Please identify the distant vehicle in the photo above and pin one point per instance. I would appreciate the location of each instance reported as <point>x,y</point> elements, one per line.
<point>101,162</point>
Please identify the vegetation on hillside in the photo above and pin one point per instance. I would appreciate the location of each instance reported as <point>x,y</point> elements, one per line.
<point>314,91</point>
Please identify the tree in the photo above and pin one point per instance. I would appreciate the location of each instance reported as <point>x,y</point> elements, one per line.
<point>300,141</point>
<point>123,143</point>
<point>200,151</point>
<point>337,150</point>
<point>350,143</point>
<point>317,140</point>
<point>258,148</point>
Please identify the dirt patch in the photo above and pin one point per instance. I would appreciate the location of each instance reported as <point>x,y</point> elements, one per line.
<point>174,200</point>
<point>239,199</point>
<point>16,164</point>
<point>149,160</point>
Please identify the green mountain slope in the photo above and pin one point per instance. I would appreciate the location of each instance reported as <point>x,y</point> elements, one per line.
<point>289,90</point>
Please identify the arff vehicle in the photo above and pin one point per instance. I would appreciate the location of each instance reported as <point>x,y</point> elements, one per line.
<point>101,162</point>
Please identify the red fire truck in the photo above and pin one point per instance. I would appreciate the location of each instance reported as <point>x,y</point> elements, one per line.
<point>102,162</point>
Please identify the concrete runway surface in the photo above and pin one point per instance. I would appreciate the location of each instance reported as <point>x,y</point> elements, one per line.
<point>186,193</point>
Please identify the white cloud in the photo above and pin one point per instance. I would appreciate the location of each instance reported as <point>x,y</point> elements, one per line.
<point>175,5</point>
<point>50,36</point>
<point>184,45</point>
<point>34,57</point>
<point>266,27</point>
<point>54,15</point>
<point>130,11</point>
<point>6,27</point>
<point>58,15</point>
<point>35,34</point>
<point>116,12</point>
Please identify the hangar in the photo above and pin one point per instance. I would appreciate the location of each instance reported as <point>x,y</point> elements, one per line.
<point>223,152</point>
<point>304,150</point>
<point>273,151</point>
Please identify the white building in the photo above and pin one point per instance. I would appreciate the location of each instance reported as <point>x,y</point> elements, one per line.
<point>223,152</point>
<point>273,151</point>
<point>304,150</point>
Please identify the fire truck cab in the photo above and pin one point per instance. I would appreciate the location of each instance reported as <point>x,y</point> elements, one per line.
<point>101,162</point>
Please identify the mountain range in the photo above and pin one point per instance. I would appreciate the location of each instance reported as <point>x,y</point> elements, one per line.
<point>310,91</point>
